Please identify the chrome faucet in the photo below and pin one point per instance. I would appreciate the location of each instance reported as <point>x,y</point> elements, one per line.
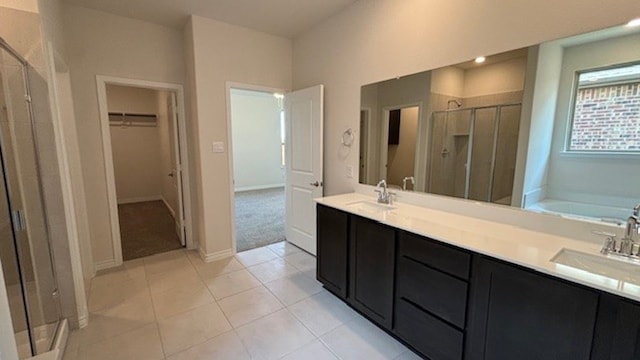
<point>629,245</point>
<point>410,179</point>
<point>633,225</point>
<point>384,196</point>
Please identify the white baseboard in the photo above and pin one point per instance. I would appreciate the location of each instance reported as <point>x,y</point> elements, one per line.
<point>219,255</point>
<point>140,199</point>
<point>107,264</point>
<point>173,212</point>
<point>83,321</point>
<point>259,187</point>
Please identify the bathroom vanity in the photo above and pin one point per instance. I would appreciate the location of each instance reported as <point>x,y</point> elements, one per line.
<point>456,287</point>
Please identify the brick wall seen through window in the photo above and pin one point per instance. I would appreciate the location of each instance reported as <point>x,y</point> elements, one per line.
<point>606,116</point>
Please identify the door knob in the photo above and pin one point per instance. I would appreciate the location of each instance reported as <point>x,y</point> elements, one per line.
<point>170,174</point>
<point>316,184</point>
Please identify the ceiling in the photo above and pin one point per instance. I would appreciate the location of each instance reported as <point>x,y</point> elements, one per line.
<point>286,18</point>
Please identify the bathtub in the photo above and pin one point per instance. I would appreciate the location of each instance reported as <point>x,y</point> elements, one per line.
<point>582,211</point>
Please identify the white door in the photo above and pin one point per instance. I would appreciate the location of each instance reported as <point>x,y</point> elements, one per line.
<point>176,172</point>
<point>303,158</point>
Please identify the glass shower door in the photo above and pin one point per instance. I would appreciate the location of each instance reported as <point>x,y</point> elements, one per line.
<point>37,319</point>
<point>450,141</point>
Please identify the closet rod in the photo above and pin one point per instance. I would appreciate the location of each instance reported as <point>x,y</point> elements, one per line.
<point>133,114</point>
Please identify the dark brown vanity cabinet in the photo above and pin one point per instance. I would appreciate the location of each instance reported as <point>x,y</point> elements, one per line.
<point>517,314</point>
<point>332,244</point>
<point>372,264</point>
<point>449,303</point>
<point>617,329</point>
<point>431,296</point>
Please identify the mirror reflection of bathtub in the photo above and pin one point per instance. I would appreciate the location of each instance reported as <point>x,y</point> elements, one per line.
<point>582,211</point>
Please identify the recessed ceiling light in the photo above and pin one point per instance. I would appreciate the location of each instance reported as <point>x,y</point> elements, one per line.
<point>633,23</point>
<point>480,59</point>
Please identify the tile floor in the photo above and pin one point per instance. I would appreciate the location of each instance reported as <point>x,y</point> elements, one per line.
<point>262,304</point>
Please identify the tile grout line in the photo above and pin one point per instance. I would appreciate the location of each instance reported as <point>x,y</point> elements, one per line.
<point>153,305</point>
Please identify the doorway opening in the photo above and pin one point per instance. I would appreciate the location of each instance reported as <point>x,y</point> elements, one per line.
<point>143,132</point>
<point>144,164</point>
<point>257,129</point>
<point>399,147</point>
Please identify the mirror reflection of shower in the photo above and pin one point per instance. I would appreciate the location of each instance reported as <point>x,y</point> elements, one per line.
<point>473,152</point>
<point>464,131</point>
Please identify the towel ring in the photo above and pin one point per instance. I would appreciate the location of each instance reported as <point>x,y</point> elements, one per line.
<point>347,137</point>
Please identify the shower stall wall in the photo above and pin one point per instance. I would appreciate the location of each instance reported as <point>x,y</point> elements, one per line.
<point>473,152</point>
<point>25,253</point>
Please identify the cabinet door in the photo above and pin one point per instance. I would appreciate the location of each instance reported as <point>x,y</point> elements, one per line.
<point>333,241</point>
<point>518,314</point>
<point>372,248</point>
<point>617,329</point>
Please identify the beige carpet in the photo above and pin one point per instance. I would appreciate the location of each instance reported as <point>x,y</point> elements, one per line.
<point>259,218</point>
<point>146,228</point>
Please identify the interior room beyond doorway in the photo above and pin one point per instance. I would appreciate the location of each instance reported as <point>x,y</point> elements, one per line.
<point>257,128</point>
<point>142,129</point>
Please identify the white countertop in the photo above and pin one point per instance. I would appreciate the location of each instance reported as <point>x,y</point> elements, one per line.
<point>531,249</point>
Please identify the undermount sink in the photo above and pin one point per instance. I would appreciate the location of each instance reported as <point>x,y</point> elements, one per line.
<point>370,206</point>
<point>618,269</point>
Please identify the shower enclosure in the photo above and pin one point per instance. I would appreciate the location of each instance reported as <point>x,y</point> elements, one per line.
<point>25,254</point>
<point>473,152</point>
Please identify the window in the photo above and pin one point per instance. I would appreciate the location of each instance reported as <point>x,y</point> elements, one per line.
<point>606,112</point>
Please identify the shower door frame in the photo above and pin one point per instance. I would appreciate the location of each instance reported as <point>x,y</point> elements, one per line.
<point>13,215</point>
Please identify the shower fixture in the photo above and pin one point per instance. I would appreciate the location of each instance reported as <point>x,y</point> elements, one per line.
<point>455,101</point>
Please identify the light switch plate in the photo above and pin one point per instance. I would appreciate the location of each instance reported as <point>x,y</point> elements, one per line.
<point>217,147</point>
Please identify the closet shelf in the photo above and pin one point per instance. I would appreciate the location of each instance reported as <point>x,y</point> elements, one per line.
<point>124,119</point>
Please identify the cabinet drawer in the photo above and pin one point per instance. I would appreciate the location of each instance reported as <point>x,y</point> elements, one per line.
<point>440,256</point>
<point>434,291</point>
<point>432,337</point>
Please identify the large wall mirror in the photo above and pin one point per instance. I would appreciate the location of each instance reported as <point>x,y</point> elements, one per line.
<point>552,128</point>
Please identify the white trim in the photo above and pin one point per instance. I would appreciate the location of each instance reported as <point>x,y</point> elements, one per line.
<point>106,264</point>
<point>236,85</point>
<point>75,256</point>
<point>166,203</point>
<point>259,187</point>
<point>101,83</point>
<point>140,199</point>
<point>59,344</point>
<point>218,255</point>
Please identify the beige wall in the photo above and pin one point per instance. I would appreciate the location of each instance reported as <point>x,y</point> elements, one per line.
<point>104,44</point>
<point>137,155</point>
<point>502,77</point>
<point>257,155</point>
<point>223,53</point>
<point>448,81</point>
<point>375,40</point>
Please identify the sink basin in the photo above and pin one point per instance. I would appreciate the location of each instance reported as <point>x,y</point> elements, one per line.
<point>370,206</point>
<point>618,269</point>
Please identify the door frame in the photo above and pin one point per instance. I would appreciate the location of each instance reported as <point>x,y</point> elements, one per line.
<point>232,195</point>
<point>384,135</point>
<point>101,82</point>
